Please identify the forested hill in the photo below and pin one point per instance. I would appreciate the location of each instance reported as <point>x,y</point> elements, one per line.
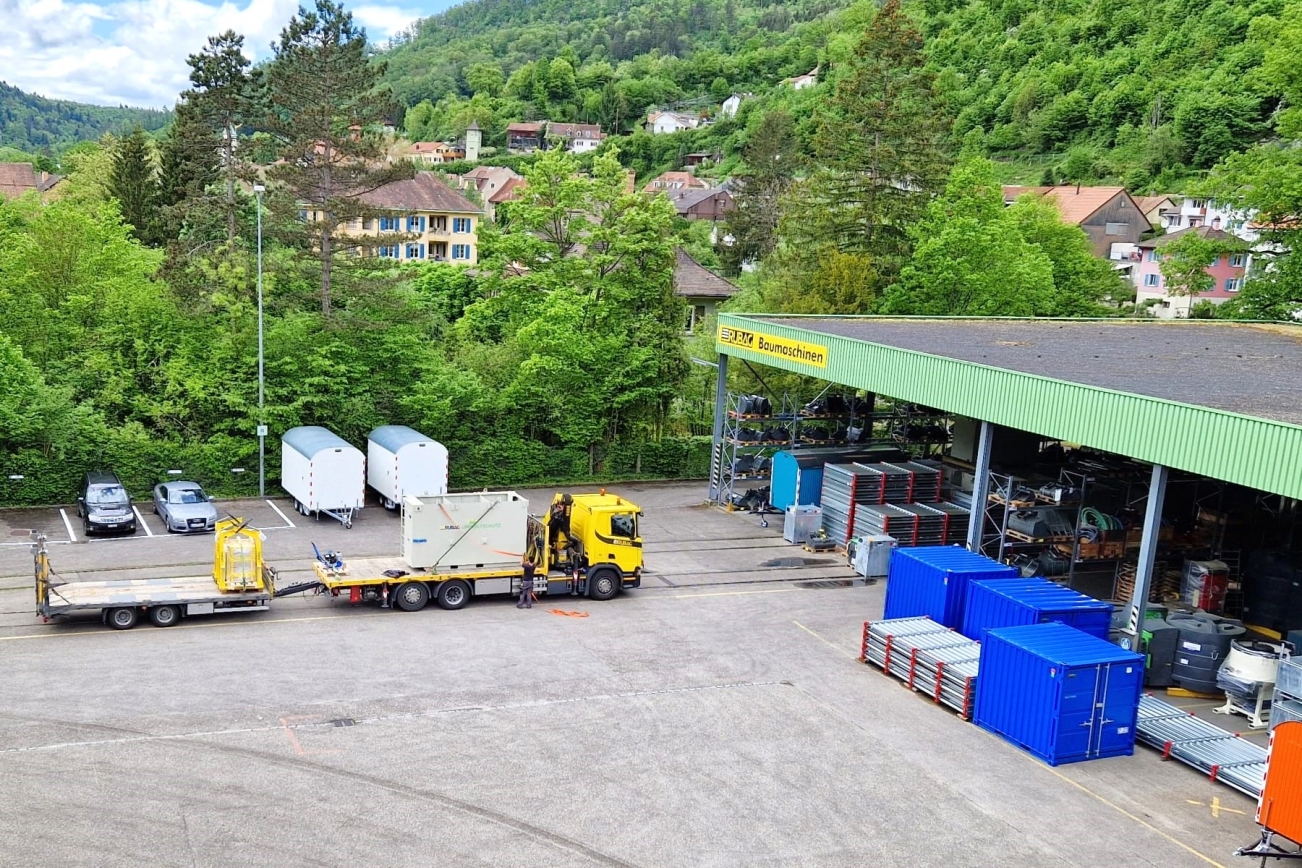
<point>33,123</point>
<point>1145,93</point>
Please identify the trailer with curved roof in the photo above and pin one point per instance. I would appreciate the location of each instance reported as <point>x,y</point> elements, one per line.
<point>402,462</point>
<point>323,473</point>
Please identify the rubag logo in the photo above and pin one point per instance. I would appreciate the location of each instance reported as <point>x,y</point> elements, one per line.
<point>770,345</point>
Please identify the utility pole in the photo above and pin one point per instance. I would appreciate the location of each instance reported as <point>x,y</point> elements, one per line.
<point>258,190</point>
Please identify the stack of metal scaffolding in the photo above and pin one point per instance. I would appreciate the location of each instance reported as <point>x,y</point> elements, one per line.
<point>928,657</point>
<point>1231,760</point>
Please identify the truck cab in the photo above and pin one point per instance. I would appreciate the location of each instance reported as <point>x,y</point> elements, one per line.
<point>603,529</point>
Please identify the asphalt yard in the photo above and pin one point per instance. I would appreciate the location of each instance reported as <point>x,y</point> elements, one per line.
<point>718,716</point>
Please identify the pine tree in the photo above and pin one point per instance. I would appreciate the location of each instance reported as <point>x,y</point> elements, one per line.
<point>223,99</point>
<point>772,159</point>
<point>134,184</point>
<point>323,93</point>
<point>187,165</point>
<point>881,144</point>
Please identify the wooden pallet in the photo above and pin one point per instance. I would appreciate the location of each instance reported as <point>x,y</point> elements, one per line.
<point>1026,538</point>
<point>1165,586</point>
<point>1017,504</point>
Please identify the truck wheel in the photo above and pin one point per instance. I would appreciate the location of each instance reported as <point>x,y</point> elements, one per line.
<point>164,616</point>
<point>603,583</point>
<point>122,618</point>
<point>411,597</point>
<point>454,594</point>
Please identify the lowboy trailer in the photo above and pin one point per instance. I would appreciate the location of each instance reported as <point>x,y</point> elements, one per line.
<point>240,582</point>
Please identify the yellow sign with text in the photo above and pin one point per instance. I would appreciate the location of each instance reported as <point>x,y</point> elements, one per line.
<point>769,345</point>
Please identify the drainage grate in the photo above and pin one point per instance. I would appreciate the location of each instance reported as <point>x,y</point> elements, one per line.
<point>344,721</point>
<point>797,562</point>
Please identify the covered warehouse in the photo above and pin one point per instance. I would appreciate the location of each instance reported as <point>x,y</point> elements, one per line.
<point>1167,442</point>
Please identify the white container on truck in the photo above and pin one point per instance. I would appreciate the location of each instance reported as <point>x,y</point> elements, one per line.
<point>453,532</point>
<point>323,473</point>
<point>401,462</point>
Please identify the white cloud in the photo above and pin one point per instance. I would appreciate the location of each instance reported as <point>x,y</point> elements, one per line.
<point>133,51</point>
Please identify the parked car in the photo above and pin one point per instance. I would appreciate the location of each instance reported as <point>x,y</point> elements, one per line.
<point>184,507</point>
<point>104,506</point>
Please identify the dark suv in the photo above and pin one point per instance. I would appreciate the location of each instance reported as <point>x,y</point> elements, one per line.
<point>104,506</point>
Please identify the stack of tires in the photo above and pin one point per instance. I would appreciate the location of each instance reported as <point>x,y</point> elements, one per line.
<point>1203,646</point>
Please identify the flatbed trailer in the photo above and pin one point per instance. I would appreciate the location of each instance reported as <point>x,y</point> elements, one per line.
<point>563,563</point>
<point>240,582</point>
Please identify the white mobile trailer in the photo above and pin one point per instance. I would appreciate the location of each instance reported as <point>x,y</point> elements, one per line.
<point>455,532</point>
<point>323,473</point>
<point>401,462</point>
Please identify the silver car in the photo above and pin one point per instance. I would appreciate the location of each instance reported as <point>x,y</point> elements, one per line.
<point>184,507</point>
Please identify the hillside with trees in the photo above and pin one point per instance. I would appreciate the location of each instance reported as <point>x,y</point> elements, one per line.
<point>35,124</point>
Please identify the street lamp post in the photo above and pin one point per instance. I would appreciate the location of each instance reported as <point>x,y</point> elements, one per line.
<point>258,190</point>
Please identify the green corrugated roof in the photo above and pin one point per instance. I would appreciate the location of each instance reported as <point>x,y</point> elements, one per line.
<point>1218,399</point>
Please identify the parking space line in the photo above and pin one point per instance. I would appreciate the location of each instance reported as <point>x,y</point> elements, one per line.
<point>140,519</point>
<point>283,517</point>
<point>826,642</point>
<point>72,537</point>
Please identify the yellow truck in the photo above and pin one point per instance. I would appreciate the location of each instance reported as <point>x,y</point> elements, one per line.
<point>240,582</point>
<point>459,546</point>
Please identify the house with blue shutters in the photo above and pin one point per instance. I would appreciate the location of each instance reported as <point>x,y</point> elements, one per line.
<point>429,221</point>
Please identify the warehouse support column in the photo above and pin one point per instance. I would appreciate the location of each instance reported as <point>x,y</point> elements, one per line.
<point>720,413</point>
<point>976,523</point>
<point>1147,554</point>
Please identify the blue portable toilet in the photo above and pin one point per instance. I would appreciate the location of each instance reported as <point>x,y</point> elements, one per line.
<point>933,581</point>
<point>1059,694</point>
<point>1009,603</point>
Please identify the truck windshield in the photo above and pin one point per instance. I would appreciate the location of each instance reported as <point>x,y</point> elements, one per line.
<point>106,495</point>
<point>623,524</point>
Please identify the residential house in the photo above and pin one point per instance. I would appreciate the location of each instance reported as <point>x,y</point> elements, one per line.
<point>700,288</point>
<point>488,181</point>
<point>800,82</point>
<point>509,192</point>
<point>17,179</point>
<point>434,153</point>
<point>671,181</point>
<point>691,161</point>
<point>1193,213</point>
<point>1157,209</point>
<point>524,138</point>
<point>731,105</point>
<point>1227,272</point>
<point>670,122</point>
<point>1108,215</point>
<point>578,138</point>
<point>695,204</point>
<point>424,218</point>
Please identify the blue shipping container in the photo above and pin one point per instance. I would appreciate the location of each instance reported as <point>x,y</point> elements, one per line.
<point>1059,694</point>
<point>1008,603</point>
<point>798,475</point>
<point>933,580</point>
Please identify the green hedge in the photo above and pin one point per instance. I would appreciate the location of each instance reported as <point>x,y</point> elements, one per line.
<point>142,462</point>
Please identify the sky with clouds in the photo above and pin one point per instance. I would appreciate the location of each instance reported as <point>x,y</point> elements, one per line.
<point>112,52</point>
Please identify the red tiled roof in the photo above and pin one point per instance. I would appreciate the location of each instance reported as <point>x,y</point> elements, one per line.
<point>425,192</point>
<point>1076,204</point>
<point>523,129</point>
<point>17,179</point>
<point>508,191</point>
<point>1148,203</point>
<point>694,280</point>
<point>575,131</point>
<point>664,182</point>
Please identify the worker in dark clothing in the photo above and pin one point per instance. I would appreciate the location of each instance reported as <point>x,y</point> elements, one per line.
<point>526,585</point>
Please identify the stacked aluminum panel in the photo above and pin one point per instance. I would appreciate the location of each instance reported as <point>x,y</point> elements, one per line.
<point>925,487</point>
<point>956,519</point>
<point>838,500</point>
<point>930,525</point>
<point>1233,761</point>
<point>927,656</point>
<point>876,519</point>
